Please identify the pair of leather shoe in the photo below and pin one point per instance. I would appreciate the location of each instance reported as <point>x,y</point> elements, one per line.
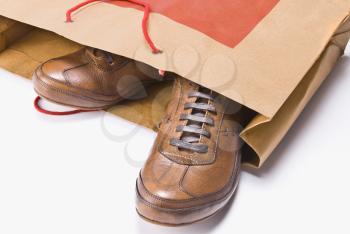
<point>193,169</point>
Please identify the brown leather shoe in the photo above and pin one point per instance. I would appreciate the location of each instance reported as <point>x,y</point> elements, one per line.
<point>194,166</point>
<point>92,79</point>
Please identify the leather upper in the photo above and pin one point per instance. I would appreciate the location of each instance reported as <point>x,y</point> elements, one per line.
<point>176,178</point>
<point>92,75</point>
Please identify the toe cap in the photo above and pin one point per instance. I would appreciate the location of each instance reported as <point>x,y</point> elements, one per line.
<point>54,69</point>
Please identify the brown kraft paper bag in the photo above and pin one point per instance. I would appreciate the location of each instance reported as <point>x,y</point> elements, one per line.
<point>268,55</point>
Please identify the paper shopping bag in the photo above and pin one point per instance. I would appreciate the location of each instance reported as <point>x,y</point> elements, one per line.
<point>268,55</point>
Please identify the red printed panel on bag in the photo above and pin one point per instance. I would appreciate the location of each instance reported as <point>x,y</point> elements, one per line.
<point>227,21</point>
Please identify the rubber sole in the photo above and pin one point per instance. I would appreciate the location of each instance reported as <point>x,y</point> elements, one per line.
<point>178,225</point>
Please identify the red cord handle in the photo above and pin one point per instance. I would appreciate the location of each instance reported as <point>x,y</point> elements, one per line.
<point>47,112</point>
<point>147,10</point>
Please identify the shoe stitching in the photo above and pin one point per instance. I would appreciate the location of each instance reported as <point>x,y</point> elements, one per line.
<point>233,177</point>
<point>223,188</point>
<point>87,92</point>
<point>42,83</point>
<point>233,181</point>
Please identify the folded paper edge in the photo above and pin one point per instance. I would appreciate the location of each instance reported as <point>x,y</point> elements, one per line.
<point>338,41</point>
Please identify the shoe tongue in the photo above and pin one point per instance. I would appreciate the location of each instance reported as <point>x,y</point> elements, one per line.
<point>100,53</point>
<point>104,54</point>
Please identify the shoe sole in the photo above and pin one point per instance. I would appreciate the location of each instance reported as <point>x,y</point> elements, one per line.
<point>178,225</point>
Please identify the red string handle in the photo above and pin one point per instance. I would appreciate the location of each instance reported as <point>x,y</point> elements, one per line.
<point>147,10</point>
<point>77,7</point>
<point>47,112</point>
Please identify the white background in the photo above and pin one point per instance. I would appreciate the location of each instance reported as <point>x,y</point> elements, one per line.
<point>66,175</point>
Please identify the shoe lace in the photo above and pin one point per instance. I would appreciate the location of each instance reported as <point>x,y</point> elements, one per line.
<point>198,118</point>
